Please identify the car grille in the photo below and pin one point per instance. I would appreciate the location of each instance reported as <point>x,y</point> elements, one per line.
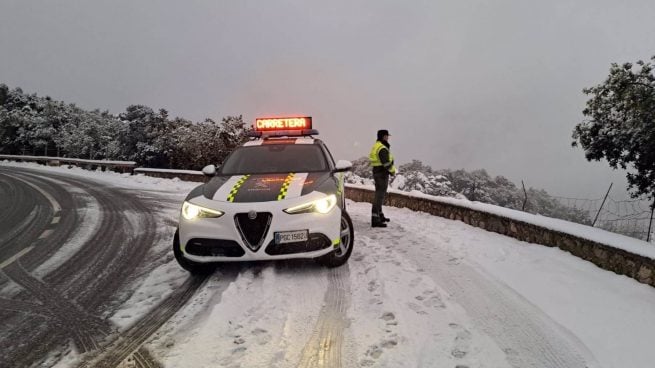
<point>315,242</point>
<point>253,231</point>
<point>214,248</point>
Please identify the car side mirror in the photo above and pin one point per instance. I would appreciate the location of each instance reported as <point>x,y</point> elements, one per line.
<point>343,165</point>
<point>209,170</point>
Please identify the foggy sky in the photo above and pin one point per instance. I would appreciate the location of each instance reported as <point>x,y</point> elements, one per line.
<point>460,84</point>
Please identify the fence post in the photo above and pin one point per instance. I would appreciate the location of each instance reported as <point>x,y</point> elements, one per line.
<point>525,200</point>
<point>650,224</point>
<point>602,204</point>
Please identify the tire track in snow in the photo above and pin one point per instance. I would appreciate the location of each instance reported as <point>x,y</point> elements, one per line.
<point>127,345</point>
<point>82,327</point>
<point>25,214</point>
<point>106,254</point>
<point>24,307</point>
<point>324,346</point>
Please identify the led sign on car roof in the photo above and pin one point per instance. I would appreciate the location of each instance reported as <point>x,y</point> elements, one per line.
<point>278,124</point>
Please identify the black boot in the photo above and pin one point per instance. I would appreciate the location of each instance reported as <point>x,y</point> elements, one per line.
<point>384,218</point>
<point>376,221</point>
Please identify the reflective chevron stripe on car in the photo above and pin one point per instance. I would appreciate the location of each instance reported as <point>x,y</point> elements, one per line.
<point>235,188</point>
<point>296,185</point>
<point>285,187</point>
<point>225,187</point>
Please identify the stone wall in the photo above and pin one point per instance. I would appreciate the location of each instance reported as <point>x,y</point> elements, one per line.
<point>604,256</point>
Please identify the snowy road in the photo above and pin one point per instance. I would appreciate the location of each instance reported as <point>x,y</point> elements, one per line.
<point>425,292</point>
<point>64,268</point>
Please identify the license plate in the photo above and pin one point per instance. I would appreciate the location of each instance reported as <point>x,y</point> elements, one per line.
<point>291,236</point>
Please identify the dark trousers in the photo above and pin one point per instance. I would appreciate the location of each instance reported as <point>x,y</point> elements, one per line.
<point>381,184</point>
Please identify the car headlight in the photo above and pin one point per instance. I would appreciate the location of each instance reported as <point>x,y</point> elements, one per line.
<point>323,205</point>
<point>190,211</point>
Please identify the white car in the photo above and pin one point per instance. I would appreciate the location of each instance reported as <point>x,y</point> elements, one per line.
<point>278,196</point>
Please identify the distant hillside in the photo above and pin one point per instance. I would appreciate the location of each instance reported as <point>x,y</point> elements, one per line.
<point>475,185</point>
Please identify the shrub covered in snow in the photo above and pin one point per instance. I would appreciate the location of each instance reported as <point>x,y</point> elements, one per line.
<point>476,185</point>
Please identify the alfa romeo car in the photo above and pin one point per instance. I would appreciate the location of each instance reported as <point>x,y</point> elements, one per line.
<point>278,196</point>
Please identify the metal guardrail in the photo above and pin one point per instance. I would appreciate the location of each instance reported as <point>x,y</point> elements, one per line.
<point>69,160</point>
<point>123,165</point>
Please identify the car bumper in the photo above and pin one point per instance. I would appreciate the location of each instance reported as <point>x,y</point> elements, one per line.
<point>220,239</point>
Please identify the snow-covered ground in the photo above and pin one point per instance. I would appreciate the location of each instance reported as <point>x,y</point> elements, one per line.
<point>402,313</point>
<point>612,315</point>
<point>425,292</point>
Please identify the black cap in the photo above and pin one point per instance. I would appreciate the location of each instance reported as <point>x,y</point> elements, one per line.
<point>382,133</point>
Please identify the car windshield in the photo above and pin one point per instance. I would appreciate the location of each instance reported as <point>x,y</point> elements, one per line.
<point>275,158</point>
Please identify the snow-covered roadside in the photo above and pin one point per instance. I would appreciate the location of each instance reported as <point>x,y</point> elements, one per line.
<point>612,315</point>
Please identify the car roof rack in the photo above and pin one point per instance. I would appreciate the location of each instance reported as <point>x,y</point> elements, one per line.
<point>282,133</point>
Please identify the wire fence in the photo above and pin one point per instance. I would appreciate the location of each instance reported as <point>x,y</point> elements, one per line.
<point>627,217</point>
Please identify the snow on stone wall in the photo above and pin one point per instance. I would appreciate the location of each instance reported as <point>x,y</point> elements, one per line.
<point>637,265</point>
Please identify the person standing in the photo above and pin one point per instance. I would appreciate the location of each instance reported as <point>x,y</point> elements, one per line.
<point>381,161</point>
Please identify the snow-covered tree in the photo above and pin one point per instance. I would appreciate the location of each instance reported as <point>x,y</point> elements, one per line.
<point>419,177</point>
<point>91,135</point>
<point>620,125</point>
<point>208,142</point>
<point>416,165</point>
<point>476,185</point>
<point>144,140</point>
<point>362,168</point>
<point>4,93</point>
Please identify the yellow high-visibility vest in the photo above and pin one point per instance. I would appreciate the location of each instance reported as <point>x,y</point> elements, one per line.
<point>374,156</point>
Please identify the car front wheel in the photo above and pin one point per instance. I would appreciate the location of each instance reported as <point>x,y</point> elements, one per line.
<point>341,254</point>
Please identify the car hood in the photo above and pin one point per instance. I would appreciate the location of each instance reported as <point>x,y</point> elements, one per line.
<point>262,187</point>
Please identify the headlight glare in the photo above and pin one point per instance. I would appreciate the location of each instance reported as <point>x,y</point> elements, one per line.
<point>326,204</point>
<point>323,205</point>
<point>190,211</point>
